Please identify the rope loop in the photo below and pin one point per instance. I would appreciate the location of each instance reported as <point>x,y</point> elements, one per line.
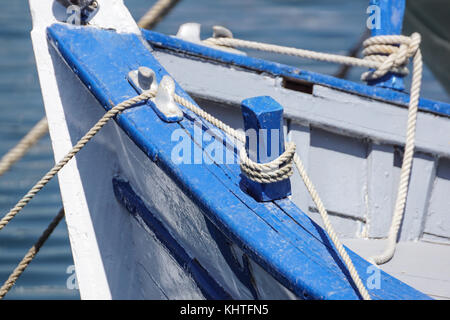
<point>382,53</point>
<point>391,52</point>
<point>277,170</point>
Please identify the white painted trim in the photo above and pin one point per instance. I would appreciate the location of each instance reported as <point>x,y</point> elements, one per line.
<point>90,271</point>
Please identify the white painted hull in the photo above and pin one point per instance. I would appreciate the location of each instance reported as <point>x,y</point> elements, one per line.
<point>116,256</point>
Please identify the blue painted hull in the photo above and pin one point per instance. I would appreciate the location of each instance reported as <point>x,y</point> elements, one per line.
<point>277,236</point>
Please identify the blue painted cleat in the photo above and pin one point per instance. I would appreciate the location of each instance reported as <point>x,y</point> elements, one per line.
<point>263,122</point>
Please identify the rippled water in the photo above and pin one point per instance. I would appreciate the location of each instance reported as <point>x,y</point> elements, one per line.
<point>323,25</point>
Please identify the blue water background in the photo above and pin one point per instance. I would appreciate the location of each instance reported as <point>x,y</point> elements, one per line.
<point>322,25</point>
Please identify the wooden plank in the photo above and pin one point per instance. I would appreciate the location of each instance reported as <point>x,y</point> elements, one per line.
<point>438,215</point>
<point>345,226</point>
<point>427,273</point>
<point>300,134</point>
<point>380,190</point>
<point>207,284</point>
<point>340,160</point>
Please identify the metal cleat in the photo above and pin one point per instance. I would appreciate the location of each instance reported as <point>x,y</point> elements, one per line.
<point>163,104</point>
<point>143,79</point>
<point>190,32</point>
<point>221,32</point>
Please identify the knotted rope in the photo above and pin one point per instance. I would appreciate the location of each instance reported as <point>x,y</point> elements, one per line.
<point>391,52</point>
<point>51,174</point>
<point>277,170</point>
<point>405,173</point>
<point>382,54</point>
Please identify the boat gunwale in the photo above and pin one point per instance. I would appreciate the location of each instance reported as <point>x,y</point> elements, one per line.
<point>130,123</point>
<point>166,43</point>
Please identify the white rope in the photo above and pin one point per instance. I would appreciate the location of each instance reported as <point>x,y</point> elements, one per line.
<point>383,54</point>
<point>240,136</point>
<point>406,165</point>
<point>375,50</point>
<point>301,53</point>
<point>391,58</point>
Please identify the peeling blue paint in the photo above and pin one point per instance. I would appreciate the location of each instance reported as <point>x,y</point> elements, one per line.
<point>276,235</point>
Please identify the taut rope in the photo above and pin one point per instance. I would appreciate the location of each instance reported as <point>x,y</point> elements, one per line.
<point>30,255</point>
